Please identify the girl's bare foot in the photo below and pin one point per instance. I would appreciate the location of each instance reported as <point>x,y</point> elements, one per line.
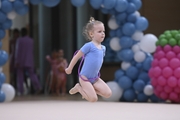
<point>74,90</point>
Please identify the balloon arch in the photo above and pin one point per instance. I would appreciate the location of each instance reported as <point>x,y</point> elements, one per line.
<point>126,43</point>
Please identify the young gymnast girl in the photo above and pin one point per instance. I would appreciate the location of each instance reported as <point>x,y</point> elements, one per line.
<point>90,84</point>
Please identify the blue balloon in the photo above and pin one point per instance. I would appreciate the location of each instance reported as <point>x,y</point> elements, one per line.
<point>139,65</point>
<point>2,33</point>
<point>132,18</point>
<point>118,73</point>
<point>144,76</point>
<point>109,4</point>
<point>2,17</point>
<point>17,4</point>
<point>154,98</point>
<point>125,82</point>
<point>119,33</point>
<point>141,23</point>
<point>96,4</point>
<point>6,6</point>
<point>137,3</point>
<point>139,85</point>
<point>132,72</point>
<point>23,10</point>
<point>131,8</point>
<point>78,3</point>
<point>126,42</point>
<point>112,33</point>
<point>51,3</point>
<point>35,2</point>
<point>147,63</point>
<point>104,10</point>
<point>121,5</point>
<point>7,24</point>
<point>3,57</point>
<point>128,28</point>
<point>2,77</point>
<point>126,55</point>
<point>129,95</point>
<point>141,97</point>
<point>2,96</point>
<point>0,44</point>
<point>121,16</point>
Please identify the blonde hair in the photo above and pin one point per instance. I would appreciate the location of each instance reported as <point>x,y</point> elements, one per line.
<point>89,27</point>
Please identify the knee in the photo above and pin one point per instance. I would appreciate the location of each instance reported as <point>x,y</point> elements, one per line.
<point>108,94</point>
<point>93,99</point>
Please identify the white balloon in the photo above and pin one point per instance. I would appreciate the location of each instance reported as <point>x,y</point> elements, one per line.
<point>135,48</point>
<point>9,92</point>
<point>1,69</point>
<point>148,43</point>
<point>139,56</point>
<point>148,90</point>
<point>11,0</point>
<point>125,65</point>
<point>137,36</point>
<point>26,1</point>
<point>112,24</point>
<point>114,44</point>
<point>11,15</point>
<point>137,13</point>
<point>117,91</point>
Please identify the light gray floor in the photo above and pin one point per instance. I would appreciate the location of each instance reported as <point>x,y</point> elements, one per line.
<point>69,108</point>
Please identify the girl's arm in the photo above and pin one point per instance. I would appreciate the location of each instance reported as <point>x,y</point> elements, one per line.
<point>73,62</point>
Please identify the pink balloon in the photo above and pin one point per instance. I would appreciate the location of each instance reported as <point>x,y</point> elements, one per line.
<point>177,72</point>
<point>178,56</point>
<point>173,96</point>
<point>177,90</point>
<point>170,55</point>
<point>178,82</point>
<point>155,62</point>
<point>172,81</point>
<point>159,88</point>
<point>168,89</point>
<point>157,93</point>
<point>167,48</point>
<point>150,73</point>
<point>157,71</point>
<point>163,62</point>
<point>174,63</point>
<point>160,54</point>
<point>167,72</point>
<point>164,96</point>
<point>161,81</point>
<point>154,82</point>
<point>158,48</point>
<point>155,55</point>
<point>176,49</point>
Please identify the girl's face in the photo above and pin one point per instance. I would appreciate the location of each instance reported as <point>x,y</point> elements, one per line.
<point>98,33</point>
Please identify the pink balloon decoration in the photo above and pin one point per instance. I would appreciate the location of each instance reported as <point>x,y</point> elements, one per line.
<point>177,90</point>
<point>173,96</point>
<point>168,89</point>
<point>163,63</point>
<point>176,49</point>
<point>163,95</point>
<point>159,88</point>
<point>170,55</point>
<point>178,56</point>
<point>150,73</point>
<point>154,82</point>
<point>167,72</point>
<point>157,71</point>
<point>177,73</point>
<point>167,48</point>
<point>161,81</point>
<point>172,81</point>
<point>160,55</point>
<point>174,63</point>
<point>158,48</point>
<point>155,62</point>
<point>179,83</point>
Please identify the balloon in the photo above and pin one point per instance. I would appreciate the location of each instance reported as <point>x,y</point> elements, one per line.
<point>137,36</point>
<point>3,57</point>
<point>0,44</point>
<point>125,65</point>
<point>116,92</point>
<point>139,56</point>
<point>128,29</point>
<point>172,81</point>
<point>163,95</point>
<point>144,76</point>
<point>35,2</point>
<point>139,85</point>
<point>141,23</point>
<point>176,49</point>
<point>156,71</point>
<point>161,81</point>
<point>129,95</point>
<point>6,6</point>
<point>132,72</point>
<point>154,98</point>
<point>147,63</point>
<point>170,55</point>
<point>131,8</point>
<point>125,82</point>
<point>23,10</point>
<point>2,17</point>
<point>160,55</point>
<point>135,48</point>
<point>11,15</point>
<point>121,5</point>
<point>77,3</point>
<point>52,3</point>
<point>141,97</point>
<point>148,90</point>
<point>131,18</point>
<point>9,92</point>
<point>176,72</point>
<point>174,63</point>
<point>17,4</point>
<point>2,96</point>
<point>126,55</point>
<point>163,63</point>
<point>147,43</point>
<point>121,16</point>
<point>167,72</point>
<point>137,3</point>
<point>2,34</point>
<point>155,63</point>
<point>96,4</point>
<point>112,24</point>
<point>109,4</point>
<point>2,77</point>
<point>126,42</point>
<point>114,44</point>
<point>118,73</point>
<point>7,24</point>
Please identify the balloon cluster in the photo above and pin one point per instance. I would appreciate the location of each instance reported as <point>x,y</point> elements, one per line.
<point>47,3</point>
<point>128,43</point>
<point>165,70</point>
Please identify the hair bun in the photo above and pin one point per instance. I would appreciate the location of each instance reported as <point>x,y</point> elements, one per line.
<point>91,19</point>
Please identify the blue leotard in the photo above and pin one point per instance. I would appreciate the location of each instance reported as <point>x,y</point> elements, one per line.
<point>93,60</point>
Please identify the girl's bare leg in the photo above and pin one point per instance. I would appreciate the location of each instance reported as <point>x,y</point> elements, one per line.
<point>102,88</point>
<point>86,89</point>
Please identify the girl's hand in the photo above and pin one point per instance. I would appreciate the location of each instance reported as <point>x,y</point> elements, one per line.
<point>47,56</point>
<point>68,71</point>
